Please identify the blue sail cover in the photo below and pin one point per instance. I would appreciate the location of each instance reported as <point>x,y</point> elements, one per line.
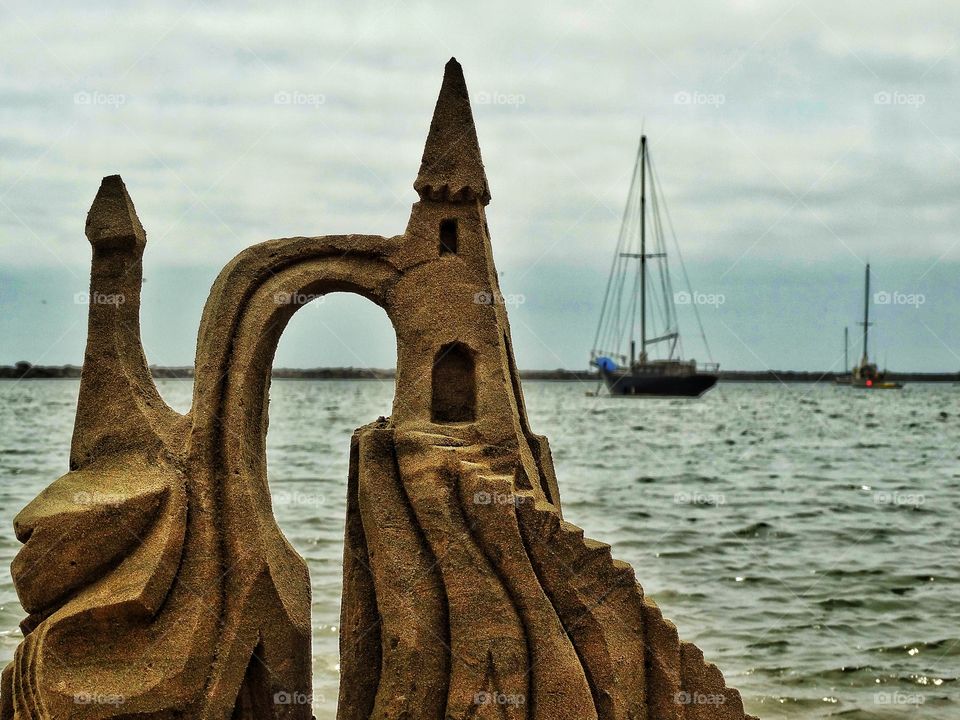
<point>605,363</point>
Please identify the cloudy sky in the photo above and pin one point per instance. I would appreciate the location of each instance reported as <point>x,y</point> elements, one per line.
<point>795,141</point>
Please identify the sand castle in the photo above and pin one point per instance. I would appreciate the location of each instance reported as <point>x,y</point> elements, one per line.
<point>160,586</point>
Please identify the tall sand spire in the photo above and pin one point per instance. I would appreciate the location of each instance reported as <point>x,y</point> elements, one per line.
<point>116,389</point>
<point>452,169</point>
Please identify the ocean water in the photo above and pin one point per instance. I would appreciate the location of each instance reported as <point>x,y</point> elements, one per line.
<point>804,536</point>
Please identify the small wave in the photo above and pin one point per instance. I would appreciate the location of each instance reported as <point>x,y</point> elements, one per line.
<point>675,554</point>
<point>949,646</point>
<point>847,573</point>
<point>757,529</point>
<point>770,644</point>
<point>838,603</point>
<point>842,674</point>
<point>666,596</point>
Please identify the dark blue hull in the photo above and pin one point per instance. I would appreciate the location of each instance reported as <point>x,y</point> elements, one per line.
<point>655,385</point>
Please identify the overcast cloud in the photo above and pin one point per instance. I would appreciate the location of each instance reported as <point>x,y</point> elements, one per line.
<point>794,140</point>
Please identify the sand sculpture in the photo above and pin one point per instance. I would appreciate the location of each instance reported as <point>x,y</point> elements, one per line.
<point>158,584</point>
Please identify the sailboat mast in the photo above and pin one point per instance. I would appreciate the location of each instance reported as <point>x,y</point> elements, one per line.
<point>846,344</point>
<point>866,313</point>
<point>643,248</point>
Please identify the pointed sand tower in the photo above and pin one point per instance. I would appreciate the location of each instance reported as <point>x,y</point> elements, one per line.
<point>466,595</point>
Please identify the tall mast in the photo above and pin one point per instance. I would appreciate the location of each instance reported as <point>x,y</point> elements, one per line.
<point>643,248</point>
<point>846,344</point>
<point>866,314</point>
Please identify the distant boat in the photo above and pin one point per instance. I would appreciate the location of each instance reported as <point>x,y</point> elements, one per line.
<point>866,375</point>
<point>635,319</point>
<point>845,379</point>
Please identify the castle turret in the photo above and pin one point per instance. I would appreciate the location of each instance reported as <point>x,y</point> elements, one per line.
<point>451,183</point>
<point>455,362</point>
<point>453,342</point>
<point>452,169</point>
<point>117,393</point>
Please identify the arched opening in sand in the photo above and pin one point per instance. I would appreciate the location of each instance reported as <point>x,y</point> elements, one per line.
<point>454,385</point>
<point>308,445</point>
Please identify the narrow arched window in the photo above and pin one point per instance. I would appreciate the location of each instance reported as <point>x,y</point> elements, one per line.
<point>448,237</point>
<point>454,385</point>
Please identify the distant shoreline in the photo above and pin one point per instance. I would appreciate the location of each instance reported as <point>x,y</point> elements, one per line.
<point>40,372</point>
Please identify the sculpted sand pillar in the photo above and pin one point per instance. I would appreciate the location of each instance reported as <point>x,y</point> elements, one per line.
<point>159,585</point>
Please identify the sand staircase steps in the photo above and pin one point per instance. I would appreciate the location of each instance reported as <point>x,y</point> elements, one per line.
<point>626,646</point>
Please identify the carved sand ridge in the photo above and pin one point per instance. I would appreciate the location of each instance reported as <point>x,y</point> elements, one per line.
<point>160,586</point>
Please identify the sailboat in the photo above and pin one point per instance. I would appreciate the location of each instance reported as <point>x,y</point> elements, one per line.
<point>845,379</point>
<point>866,375</point>
<point>637,348</point>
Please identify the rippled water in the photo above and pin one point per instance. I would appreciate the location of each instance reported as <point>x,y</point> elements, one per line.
<point>805,537</point>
